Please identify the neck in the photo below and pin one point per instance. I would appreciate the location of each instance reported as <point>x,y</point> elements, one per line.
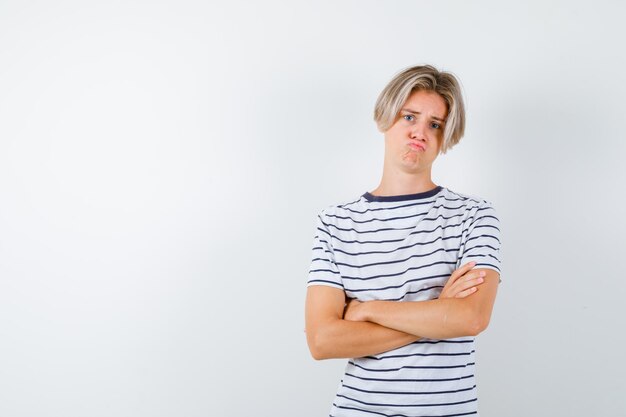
<point>400,183</point>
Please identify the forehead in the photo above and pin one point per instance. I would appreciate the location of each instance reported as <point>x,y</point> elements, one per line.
<point>428,102</point>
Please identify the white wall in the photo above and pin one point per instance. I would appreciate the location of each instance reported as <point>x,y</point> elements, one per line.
<point>162,163</point>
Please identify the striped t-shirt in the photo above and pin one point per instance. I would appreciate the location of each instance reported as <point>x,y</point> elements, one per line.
<point>404,248</point>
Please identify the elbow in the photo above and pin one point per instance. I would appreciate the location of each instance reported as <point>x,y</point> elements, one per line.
<point>321,337</point>
<point>476,327</point>
<point>316,345</point>
<point>316,351</point>
<point>317,355</point>
<point>477,324</point>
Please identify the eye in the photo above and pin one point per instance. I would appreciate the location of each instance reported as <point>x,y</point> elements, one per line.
<point>408,117</point>
<point>435,125</point>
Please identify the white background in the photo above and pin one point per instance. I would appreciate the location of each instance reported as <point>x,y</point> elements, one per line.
<point>162,164</point>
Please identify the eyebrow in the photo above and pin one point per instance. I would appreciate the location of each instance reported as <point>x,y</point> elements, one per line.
<point>439,119</point>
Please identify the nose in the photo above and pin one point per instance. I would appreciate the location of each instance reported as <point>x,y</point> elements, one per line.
<point>418,131</point>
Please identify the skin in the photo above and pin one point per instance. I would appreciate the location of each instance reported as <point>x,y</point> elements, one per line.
<point>443,318</point>
<point>407,170</point>
<point>341,328</point>
<point>335,329</point>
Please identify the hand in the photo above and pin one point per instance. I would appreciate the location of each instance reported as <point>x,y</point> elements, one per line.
<point>353,310</point>
<point>463,282</point>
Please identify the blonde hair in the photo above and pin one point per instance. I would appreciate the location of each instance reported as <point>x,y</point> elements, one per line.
<point>423,77</point>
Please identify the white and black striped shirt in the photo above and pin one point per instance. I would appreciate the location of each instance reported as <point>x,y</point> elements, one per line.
<point>404,248</point>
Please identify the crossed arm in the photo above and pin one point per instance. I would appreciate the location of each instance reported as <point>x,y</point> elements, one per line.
<point>337,330</point>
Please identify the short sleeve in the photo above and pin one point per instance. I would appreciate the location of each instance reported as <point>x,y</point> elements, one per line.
<point>323,269</point>
<point>481,236</point>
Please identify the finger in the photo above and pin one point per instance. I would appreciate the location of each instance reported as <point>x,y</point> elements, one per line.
<point>461,271</point>
<point>470,276</point>
<point>467,292</point>
<point>473,275</point>
<point>468,280</point>
<point>466,284</point>
<point>448,290</point>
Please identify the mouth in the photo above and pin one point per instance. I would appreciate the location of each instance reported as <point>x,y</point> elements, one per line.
<point>416,146</point>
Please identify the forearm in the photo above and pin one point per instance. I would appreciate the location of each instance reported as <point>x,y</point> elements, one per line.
<point>340,338</point>
<point>435,319</point>
<point>443,318</point>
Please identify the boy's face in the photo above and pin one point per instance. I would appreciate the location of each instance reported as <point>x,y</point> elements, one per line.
<point>412,143</point>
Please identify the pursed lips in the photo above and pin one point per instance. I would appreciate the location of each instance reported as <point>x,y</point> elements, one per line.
<point>417,145</point>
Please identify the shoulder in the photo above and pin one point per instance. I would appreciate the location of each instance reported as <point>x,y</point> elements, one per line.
<point>469,201</point>
<point>344,209</point>
<point>474,208</point>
